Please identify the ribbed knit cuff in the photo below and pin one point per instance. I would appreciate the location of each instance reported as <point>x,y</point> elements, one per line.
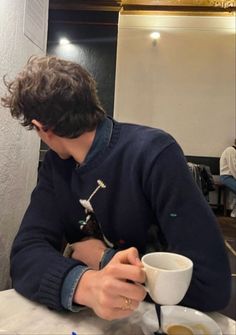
<point>51,284</point>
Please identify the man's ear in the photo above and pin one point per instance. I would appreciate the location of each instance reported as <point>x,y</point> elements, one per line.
<point>47,134</point>
<point>38,125</point>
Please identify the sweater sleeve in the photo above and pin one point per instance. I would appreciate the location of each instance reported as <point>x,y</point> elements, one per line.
<point>190,228</point>
<point>38,267</point>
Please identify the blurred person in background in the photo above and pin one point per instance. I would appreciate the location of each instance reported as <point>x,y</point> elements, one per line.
<point>228,172</point>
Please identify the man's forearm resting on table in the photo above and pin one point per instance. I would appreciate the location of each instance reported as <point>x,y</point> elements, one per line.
<point>72,280</point>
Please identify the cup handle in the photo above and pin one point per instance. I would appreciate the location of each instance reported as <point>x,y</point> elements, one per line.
<point>145,287</point>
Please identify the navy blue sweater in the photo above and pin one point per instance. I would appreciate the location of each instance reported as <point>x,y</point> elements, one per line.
<point>148,184</point>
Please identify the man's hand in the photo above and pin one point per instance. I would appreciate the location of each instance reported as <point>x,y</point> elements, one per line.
<point>116,290</point>
<point>89,252</point>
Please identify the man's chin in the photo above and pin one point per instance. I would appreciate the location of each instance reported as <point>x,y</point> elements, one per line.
<point>64,156</point>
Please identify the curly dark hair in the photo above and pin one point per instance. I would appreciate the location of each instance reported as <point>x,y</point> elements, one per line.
<point>58,93</point>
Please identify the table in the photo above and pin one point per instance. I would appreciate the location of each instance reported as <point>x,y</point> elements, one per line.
<point>22,317</point>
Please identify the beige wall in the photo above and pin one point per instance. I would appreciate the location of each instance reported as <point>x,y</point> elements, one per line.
<point>19,149</point>
<point>185,84</point>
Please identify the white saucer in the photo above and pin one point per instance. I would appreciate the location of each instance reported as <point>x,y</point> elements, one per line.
<point>198,322</point>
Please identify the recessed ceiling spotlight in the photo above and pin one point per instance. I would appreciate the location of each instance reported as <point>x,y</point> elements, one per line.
<point>155,35</point>
<point>64,41</point>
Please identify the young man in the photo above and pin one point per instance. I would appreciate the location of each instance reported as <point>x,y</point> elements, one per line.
<point>103,187</point>
<point>228,172</point>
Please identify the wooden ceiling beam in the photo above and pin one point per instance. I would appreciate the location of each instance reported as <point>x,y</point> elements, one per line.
<point>137,8</point>
<point>180,3</point>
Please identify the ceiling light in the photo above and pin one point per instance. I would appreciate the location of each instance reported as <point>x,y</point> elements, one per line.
<point>155,35</point>
<point>64,41</point>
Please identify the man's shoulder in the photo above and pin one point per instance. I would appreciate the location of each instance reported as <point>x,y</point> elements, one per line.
<point>145,135</point>
<point>229,150</point>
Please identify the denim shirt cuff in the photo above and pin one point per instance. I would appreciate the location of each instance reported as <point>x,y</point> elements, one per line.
<point>69,286</point>
<point>107,256</point>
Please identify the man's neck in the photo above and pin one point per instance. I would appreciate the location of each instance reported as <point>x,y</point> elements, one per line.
<point>79,147</point>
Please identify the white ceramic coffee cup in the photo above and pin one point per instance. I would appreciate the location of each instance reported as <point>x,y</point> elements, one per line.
<point>168,276</point>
